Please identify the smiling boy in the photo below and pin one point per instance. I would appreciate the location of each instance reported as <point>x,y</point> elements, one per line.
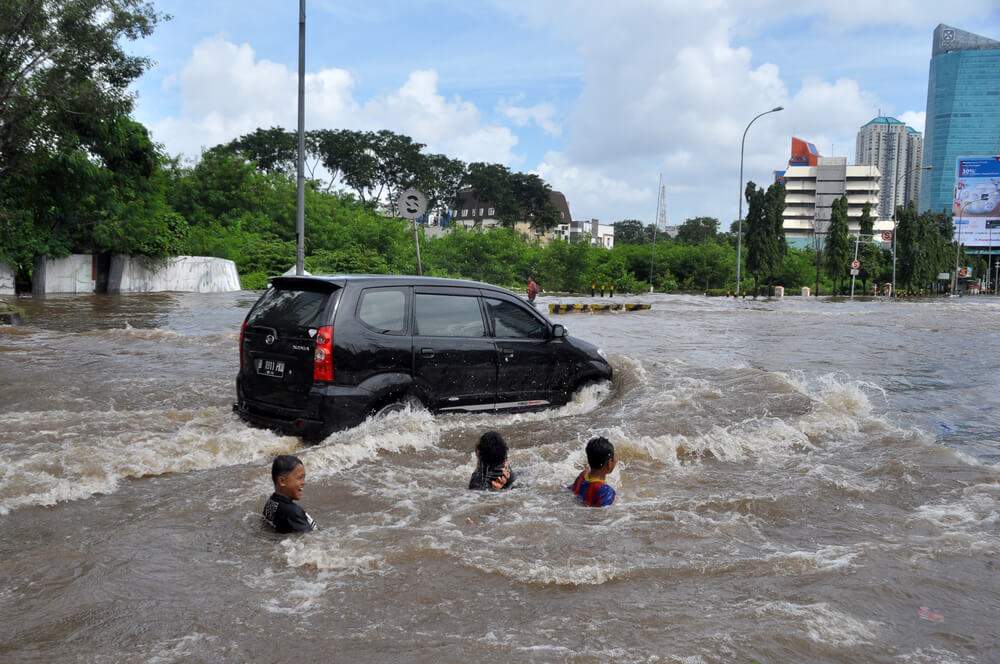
<point>281,512</point>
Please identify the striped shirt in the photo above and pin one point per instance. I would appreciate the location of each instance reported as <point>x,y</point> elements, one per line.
<point>592,492</point>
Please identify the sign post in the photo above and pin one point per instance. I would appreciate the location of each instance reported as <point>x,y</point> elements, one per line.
<point>412,204</point>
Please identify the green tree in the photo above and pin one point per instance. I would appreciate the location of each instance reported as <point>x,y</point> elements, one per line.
<point>631,231</point>
<point>757,234</point>
<point>697,230</point>
<point>63,71</point>
<point>839,248</point>
<point>869,253</point>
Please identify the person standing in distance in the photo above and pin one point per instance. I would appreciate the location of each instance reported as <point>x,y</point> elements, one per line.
<point>532,290</point>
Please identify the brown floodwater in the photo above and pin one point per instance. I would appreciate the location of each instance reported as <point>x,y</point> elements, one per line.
<point>799,480</point>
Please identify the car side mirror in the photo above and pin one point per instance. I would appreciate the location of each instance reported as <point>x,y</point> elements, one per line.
<point>558,331</point>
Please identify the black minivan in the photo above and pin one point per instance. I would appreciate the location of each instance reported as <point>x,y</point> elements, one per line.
<point>322,353</point>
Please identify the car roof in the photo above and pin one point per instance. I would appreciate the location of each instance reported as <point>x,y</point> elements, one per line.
<point>380,279</point>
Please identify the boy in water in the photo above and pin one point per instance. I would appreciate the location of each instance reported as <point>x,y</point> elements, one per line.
<point>493,470</point>
<point>280,512</point>
<point>589,485</point>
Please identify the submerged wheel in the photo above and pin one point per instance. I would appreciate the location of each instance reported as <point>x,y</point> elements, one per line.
<point>397,405</point>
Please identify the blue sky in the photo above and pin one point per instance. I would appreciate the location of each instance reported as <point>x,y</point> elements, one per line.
<point>598,98</point>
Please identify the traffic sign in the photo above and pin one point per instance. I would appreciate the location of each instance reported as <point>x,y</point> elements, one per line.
<point>855,264</point>
<point>411,204</point>
<point>887,236</point>
<point>855,273</point>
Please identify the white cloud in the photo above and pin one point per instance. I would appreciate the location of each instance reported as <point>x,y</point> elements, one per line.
<point>226,92</point>
<point>914,119</point>
<point>540,114</point>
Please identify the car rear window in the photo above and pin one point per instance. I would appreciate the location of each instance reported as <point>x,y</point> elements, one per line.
<point>283,307</point>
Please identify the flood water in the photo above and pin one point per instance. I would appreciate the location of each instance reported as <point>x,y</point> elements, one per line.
<point>799,480</point>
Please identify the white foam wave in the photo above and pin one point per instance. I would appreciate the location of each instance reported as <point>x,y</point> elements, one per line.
<point>407,429</point>
<point>823,624</point>
<point>824,559</point>
<point>66,463</point>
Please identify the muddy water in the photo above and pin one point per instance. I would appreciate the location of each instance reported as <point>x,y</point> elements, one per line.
<point>799,481</point>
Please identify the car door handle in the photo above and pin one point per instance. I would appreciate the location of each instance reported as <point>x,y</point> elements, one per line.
<point>427,352</point>
<point>508,352</point>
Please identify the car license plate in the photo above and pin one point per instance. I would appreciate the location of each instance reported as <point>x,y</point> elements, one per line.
<point>274,368</point>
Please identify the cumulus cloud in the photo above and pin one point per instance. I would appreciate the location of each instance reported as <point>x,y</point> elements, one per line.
<point>914,119</point>
<point>541,114</point>
<point>227,91</point>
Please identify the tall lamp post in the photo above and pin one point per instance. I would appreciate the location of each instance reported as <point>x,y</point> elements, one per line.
<point>895,216</point>
<point>739,232</point>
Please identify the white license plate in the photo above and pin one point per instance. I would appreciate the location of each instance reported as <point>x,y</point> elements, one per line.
<point>274,368</point>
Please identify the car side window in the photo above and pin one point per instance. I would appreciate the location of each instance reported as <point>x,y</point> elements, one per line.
<point>448,316</point>
<point>383,310</point>
<point>513,321</point>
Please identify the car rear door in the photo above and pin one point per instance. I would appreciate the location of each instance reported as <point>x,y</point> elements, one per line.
<point>530,371</point>
<point>279,345</point>
<point>454,359</point>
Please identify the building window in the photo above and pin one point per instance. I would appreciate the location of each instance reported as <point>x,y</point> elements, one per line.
<point>480,212</point>
<point>465,212</point>
<point>492,212</point>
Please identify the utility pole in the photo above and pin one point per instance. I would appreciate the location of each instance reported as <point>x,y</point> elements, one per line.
<point>300,187</point>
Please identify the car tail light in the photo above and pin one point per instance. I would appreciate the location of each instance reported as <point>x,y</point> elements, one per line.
<point>243,330</point>
<point>323,355</point>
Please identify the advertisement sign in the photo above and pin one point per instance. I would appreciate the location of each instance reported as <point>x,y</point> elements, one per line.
<point>965,272</point>
<point>976,208</point>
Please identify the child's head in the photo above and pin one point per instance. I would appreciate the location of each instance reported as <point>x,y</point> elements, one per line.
<point>600,452</point>
<point>288,475</point>
<point>492,449</point>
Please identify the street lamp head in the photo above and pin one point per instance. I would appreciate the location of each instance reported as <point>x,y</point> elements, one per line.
<point>777,108</point>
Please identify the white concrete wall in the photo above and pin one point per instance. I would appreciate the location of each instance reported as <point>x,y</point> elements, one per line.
<point>191,274</point>
<point>6,280</point>
<point>73,274</point>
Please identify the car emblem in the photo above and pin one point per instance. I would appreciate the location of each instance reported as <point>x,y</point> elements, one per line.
<point>269,339</point>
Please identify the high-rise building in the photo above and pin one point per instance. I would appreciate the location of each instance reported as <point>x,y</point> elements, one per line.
<point>963,109</point>
<point>897,151</point>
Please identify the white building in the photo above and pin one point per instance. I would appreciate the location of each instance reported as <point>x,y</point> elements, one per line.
<point>897,151</point>
<point>811,190</point>
<point>601,235</point>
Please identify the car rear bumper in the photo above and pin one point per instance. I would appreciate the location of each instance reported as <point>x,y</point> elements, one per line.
<point>328,408</point>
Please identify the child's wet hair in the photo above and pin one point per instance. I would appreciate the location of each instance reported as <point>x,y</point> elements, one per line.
<point>492,449</point>
<point>599,451</point>
<point>282,465</point>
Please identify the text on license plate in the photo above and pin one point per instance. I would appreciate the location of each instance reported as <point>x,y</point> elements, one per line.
<point>274,368</point>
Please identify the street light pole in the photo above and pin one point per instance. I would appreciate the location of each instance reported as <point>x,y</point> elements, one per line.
<point>739,232</point>
<point>895,215</point>
<point>300,181</point>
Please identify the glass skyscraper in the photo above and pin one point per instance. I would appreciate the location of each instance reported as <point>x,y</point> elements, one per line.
<point>963,110</point>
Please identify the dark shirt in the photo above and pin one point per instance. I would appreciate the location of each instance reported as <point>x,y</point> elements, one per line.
<point>285,516</point>
<point>493,479</point>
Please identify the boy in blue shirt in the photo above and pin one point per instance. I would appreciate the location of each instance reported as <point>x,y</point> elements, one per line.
<point>589,485</point>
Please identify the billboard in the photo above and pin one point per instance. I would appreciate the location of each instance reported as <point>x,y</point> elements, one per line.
<point>976,208</point>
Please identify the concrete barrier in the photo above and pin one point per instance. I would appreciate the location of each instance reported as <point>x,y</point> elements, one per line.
<point>779,291</point>
<point>73,274</point>
<point>6,280</point>
<point>191,274</point>
<point>570,308</point>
